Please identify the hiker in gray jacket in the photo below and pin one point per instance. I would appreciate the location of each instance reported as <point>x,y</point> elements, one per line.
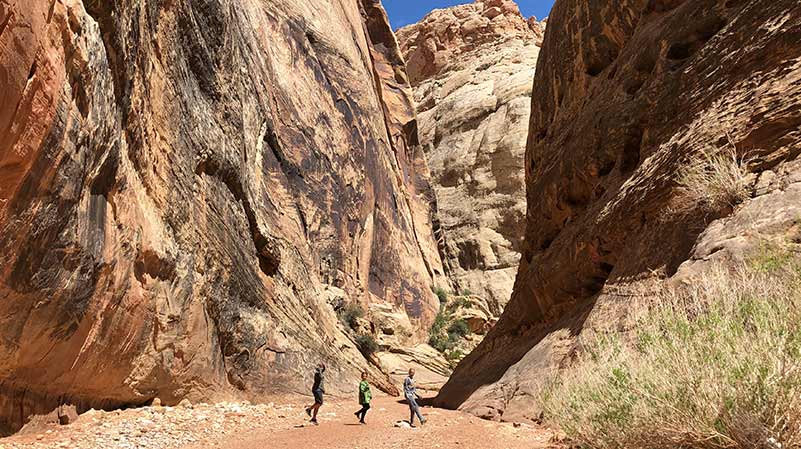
<point>411,396</point>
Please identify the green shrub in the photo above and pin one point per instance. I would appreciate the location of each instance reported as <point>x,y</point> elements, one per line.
<point>437,339</point>
<point>453,357</point>
<point>366,344</point>
<point>442,295</point>
<point>440,342</point>
<point>461,302</point>
<point>458,329</point>
<point>713,364</point>
<point>466,292</point>
<point>439,322</point>
<point>349,315</point>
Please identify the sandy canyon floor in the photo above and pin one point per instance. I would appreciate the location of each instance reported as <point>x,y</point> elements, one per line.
<point>278,425</point>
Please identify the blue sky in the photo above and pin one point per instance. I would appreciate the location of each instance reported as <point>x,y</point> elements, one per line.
<point>404,12</point>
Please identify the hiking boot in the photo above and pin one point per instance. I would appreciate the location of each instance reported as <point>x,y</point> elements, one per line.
<point>314,421</point>
<point>308,411</point>
<point>362,422</point>
<point>357,414</point>
<point>423,422</point>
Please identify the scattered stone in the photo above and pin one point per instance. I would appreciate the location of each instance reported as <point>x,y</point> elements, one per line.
<point>156,402</point>
<point>67,414</point>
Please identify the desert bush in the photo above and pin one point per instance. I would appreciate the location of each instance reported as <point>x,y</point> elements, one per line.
<point>438,340</point>
<point>442,295</point>
<point>445,333</point>
<point>716,180</point>
<point>366,344</point>
<point>458,329</point>
<point>460,302</point>
<point>440,321</point>
<point>453,357</point>
<point>714,364</point>
<point>349,315</point>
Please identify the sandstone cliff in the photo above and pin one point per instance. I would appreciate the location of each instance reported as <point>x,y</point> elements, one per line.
<point>472,68</point>
<point>183,186</point>
<point>626,93</point>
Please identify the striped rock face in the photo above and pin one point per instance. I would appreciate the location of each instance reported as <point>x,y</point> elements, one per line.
<point>189,188</point>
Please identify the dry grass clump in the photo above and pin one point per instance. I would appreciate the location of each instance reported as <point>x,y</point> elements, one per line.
<point>716,364</point>
<point>716,180</point>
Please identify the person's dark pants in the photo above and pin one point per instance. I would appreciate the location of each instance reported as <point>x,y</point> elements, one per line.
<point>414,409</point>
<point>363,412</point>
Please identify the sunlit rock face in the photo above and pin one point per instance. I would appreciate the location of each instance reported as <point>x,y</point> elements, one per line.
<point>625,94</point>
<point>182,186</point>
<point>472,69</point>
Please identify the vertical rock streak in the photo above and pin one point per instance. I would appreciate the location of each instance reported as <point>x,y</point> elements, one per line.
<point>182,187</point>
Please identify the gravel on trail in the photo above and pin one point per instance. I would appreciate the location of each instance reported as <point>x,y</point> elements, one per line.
<point>277,425</point>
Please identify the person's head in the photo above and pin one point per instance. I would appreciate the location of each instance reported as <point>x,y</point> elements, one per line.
<point>411,372</point>
<point>321,366</point>
<point>364,375</point>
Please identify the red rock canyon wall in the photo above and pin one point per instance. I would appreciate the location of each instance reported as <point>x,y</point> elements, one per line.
<point>182,186</point>
<point>626,92</point>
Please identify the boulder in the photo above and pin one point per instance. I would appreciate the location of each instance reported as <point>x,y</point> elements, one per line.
<point>431,368</point>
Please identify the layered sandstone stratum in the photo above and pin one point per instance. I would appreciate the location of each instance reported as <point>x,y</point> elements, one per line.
<point>472,70</point>
<point>626,93</point>
<point>189,188</point>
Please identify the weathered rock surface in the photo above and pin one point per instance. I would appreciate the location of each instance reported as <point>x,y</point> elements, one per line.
<point>625,93</point>
<point>180,182</point>
<point>446,39</point>
<point>431,368</point>
<point>472,68</point>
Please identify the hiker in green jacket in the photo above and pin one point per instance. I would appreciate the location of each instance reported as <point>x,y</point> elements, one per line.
<point>365,396</point>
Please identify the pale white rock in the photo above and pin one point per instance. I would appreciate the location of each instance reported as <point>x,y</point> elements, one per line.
<point>472,69</point>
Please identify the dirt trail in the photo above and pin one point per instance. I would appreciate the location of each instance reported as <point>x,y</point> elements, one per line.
<point>340,429</point>
<point>278,425</point>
